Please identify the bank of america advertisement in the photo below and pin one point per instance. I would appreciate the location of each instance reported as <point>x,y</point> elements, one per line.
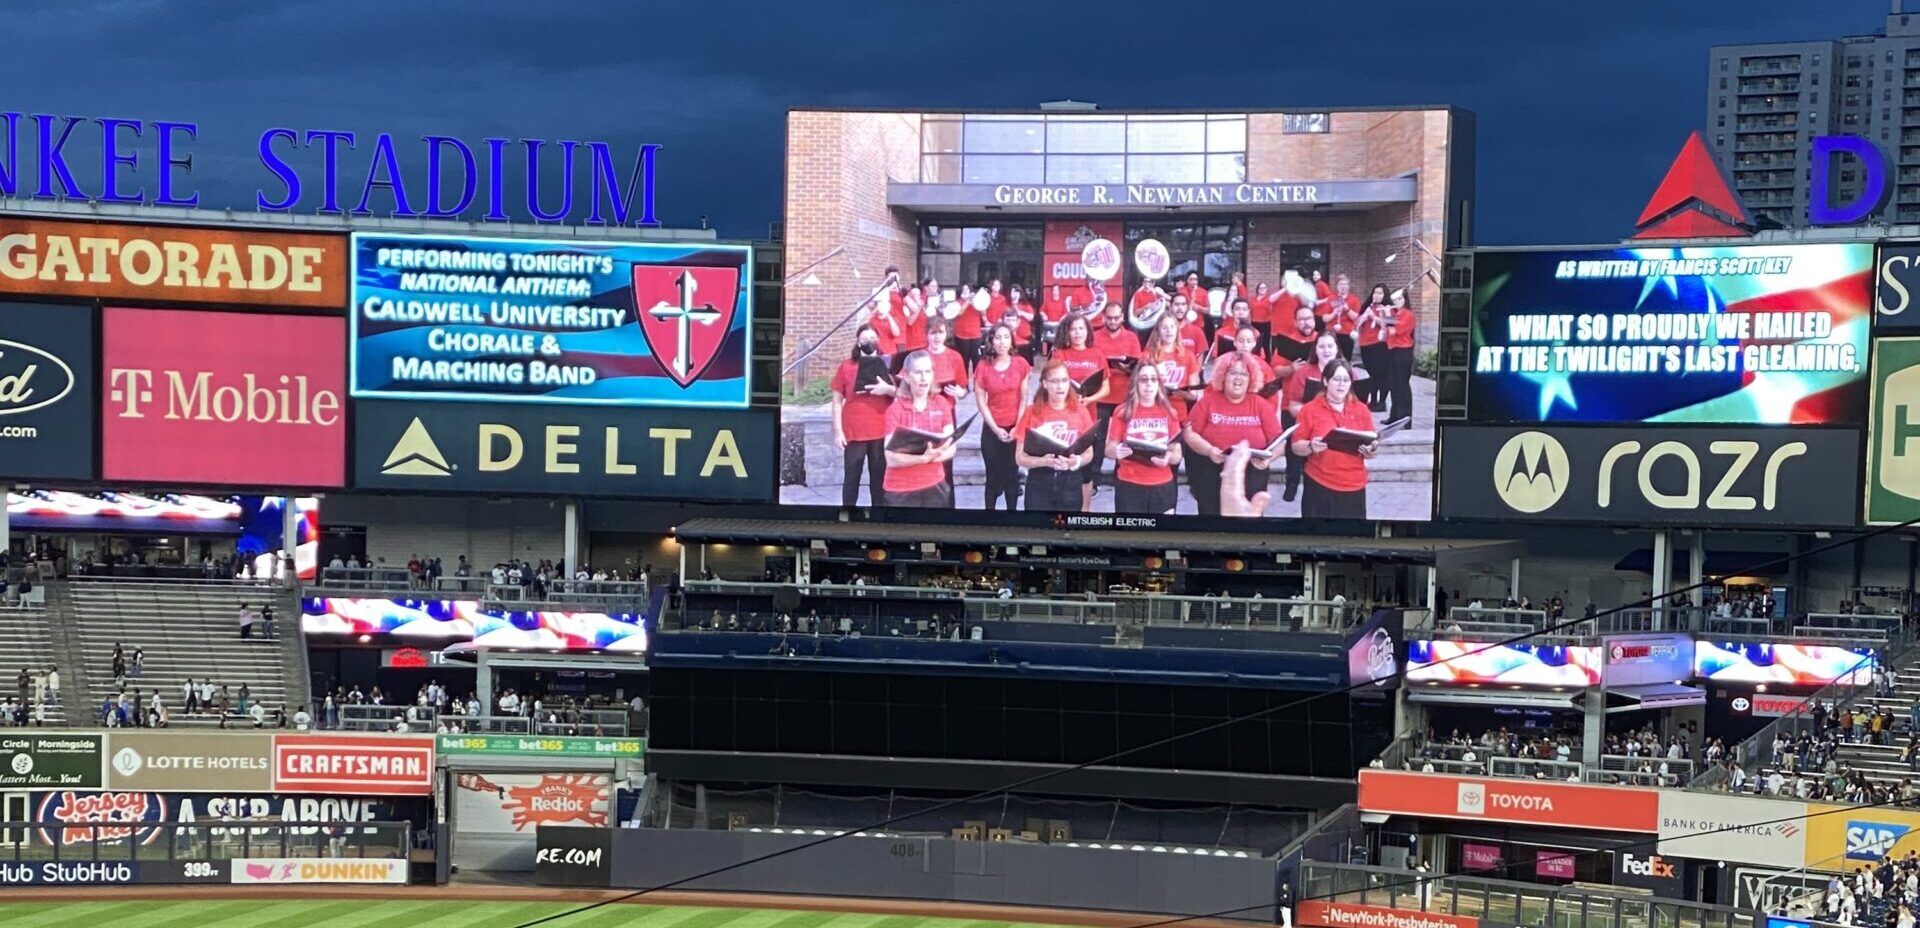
<point>1734,335</point>
<point>486,319</point>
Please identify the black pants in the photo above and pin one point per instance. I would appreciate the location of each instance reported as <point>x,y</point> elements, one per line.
<point>1003,476</point>
<point>1400,391</point>
<point>970,350</point>
<point>1203,478</point>
<point>1345,343</point>
<point>874,454</point>
<point>1296,464</point>
<point>1318,502</point>
<point>1050,490</point>
<point>938,496</point>
<point>1102,419</point>
<point>1147,499</point>
<point>1374,358</point>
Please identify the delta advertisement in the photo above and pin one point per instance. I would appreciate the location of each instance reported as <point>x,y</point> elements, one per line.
<point>47,402</point>
<point>235,399</point>
<point>1791,664</point>
<point>1461,663</point>
<point>451,620</point>
<point>1140,346</point>
<point>490,319</point>
<point>1726,335</point>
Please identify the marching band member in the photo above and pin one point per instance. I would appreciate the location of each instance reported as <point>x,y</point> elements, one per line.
<point>1000,386</point>
<point>1053,309</point>
<point>1178,366</point>
<point>920,480</point>
<point>1340,313</point>
<point>913,310</point>
<point>971,323</point>
<point>1229,413</point>
<point>1054,483</point>
<point>1336,478</point>
<point>1239,317</point>
<point>1192,325</point>
<point>860,420</point>
<point>1372,340</point>
<point>1320,289</point>
<point>1143,482</point>
<point>1022,314</point>
<point>1144,296</point>
<point>1260,305</point>
<point>1294,343</point>
<point>1237,287</point>
<point>1400,326</point>
<point>1113,341</point>
<point>1196,294</point>
<point>1294,292</point>
<point>883,315</point>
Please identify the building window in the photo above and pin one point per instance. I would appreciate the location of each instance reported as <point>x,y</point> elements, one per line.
<point>1722,122</point>
<point>1214,250</point>
<point>1723,64</point>
<point>1723,83</point>
<point>1853,61</point>
<point>1719,141</point>
<point>1815,97</point>
<point>1084,149</point>
<point>1886,96</point>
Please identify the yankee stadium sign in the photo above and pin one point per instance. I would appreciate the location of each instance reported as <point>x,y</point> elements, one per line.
<point>146,162</point>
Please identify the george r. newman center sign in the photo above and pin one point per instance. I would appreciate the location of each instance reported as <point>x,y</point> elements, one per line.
<point>1245,196</point>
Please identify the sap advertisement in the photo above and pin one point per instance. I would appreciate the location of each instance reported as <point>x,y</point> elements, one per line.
<point>47,403</point>
<point>1734,335</point>
<point>238,399</point>
<point>454,620</point>
<point>1791,664</point>
<point>633,324</point>
<point>1462,663</point>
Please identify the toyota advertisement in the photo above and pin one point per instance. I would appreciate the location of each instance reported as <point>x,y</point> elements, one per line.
<point>234,399</point>
<point>1721,335</point>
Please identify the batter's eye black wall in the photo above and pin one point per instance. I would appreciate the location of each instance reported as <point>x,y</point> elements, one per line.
<point>1025,721</point>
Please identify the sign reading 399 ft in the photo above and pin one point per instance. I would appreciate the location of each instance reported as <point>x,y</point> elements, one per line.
<point>487,319</point>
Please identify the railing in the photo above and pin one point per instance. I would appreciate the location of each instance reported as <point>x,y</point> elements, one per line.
<point>1073,611</point>
<point>1508,902</point>
<point>1529,768</point>
<point>1294,614</point>
<point>603,595</point>
<point>362,717</point>
<point>204,840</point>
<point>1407,753</point>
<point>1510,621</point>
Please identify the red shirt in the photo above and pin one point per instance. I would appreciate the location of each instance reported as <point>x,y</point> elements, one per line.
<point>1345,471</point>
<point>1174,375</point>
<point>1081,362</point>
<point>1370,333</point>
<point>935,419</point>
<point>1339,313</point>
<point>1144,297</point>
<point>864,417</point>
<point>1223,336</point>
<point>1400,326</point>
<point>1054,310</point>
<point>1193,337</point>
<point>1001,390</point>
<point>1295,390</point>
<point>1121,344</point>
<point>1197,297</point>
<point>1282,308</point>
<point>1154,425</point>
<point>970,322</point>
<point>1224,423</point>
<point>948,368</point>
<point>1321,289</point>
<point>913,335</point>
<point>1062,425</point>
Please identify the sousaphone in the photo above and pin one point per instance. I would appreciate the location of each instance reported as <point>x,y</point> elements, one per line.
<point>1150,258</point>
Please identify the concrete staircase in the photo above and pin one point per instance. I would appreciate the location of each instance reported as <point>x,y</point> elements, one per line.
<point>26,642</point>
<point>1882,762</point>
<point>188,630</point>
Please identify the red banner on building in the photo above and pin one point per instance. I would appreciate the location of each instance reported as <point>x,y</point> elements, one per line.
<point>234,399</point>
<point>1064,240</point>
<point>1524,802</point>
<point>370,766</point>
<point>1353,915</point>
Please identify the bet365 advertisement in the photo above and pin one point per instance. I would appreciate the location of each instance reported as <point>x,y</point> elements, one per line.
<point>1747,335</point>
<point>630,324</point>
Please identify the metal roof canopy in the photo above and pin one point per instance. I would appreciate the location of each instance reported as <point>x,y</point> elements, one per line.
<point>1441,552</point>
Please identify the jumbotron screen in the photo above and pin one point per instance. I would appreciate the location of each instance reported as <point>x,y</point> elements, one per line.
<point>1724,335</point>
<point>456,620</point>
<point>1000,311</point>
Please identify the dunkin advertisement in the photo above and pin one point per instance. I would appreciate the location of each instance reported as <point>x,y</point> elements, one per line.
<point>1003,311</point>
<point>236,399</point>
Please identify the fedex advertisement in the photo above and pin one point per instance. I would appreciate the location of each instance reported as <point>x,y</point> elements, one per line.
<point>238,399</point>
<point>1794,664</point>
<point>1462,663</point>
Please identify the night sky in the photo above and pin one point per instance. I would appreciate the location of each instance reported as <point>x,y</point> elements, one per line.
<point>1581,106</point>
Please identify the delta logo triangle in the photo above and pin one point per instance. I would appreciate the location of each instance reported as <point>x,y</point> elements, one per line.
<point>416,455</point>
<point>1694,200</point>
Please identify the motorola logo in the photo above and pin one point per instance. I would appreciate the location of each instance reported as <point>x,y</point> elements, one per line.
<point>1531,472</point>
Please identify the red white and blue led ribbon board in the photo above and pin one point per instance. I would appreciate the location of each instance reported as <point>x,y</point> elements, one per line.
<point>570,322</point>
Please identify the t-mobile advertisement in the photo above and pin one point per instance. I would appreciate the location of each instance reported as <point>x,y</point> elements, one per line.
<point>237,399</point>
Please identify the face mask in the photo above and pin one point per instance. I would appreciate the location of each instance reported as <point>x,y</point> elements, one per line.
<point>869,348</point>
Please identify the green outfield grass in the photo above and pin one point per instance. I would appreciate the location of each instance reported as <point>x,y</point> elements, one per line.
<point>448,913</point>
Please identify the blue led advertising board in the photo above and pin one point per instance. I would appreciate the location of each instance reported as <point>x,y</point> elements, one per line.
<point>571,322</point>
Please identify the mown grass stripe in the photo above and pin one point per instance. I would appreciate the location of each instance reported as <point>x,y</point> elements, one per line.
<point>75,915</point>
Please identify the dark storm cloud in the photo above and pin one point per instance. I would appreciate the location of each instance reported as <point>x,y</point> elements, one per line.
<point>1581,106</point>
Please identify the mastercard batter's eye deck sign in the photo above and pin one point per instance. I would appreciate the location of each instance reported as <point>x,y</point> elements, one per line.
<point>632,324</point>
